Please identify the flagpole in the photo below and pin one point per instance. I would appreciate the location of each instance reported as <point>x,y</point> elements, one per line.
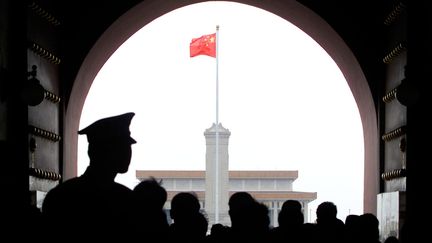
<point>217,130</point>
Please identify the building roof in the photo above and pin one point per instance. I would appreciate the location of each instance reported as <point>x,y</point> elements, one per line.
<point>174,174</point>
<point>233,174</point>
<point>236,174</point>
<point>264,174</point>
<point>262,195</point>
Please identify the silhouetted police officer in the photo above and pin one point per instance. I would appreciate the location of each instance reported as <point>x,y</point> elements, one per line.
<point>93,205</point>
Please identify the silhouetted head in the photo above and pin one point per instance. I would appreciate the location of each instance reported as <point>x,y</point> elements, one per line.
<point>326,212</point>
<point>262,217</point>
<point>370,226</point>
<point>241,209</point>
<point>239,200</point>
<point>291,213</point>
<point>352,219</point>
<point>218,230</point>
<point>110,142</point>
<point>391,239</point>
<point>151,193</point>
<point>183,205</point>
<point>291,205</point>
<point>352,227</point>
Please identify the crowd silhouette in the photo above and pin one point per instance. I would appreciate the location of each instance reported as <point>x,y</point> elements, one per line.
<point>95,207</point>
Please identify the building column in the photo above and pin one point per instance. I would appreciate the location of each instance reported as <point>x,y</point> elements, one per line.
<point>275,208</point>
<point>305,211</point>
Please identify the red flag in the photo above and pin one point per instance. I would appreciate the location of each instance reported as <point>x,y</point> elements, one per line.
<point>204,45</point>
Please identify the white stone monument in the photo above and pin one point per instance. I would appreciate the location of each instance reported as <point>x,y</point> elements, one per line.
<point>216,182</point>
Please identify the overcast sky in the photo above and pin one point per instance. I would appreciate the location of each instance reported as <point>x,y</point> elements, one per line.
<point>283,98</point>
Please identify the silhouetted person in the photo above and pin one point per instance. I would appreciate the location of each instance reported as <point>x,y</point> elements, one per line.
<point>94,206</point>
<point>262,222</point>
<point>353,229</point>
<point>391,239</point>
<point>150,198</point>
<point>239,203</point>
<point>218,233</point>
<point>329,227</point>
<point>290,221</point>
<point>249,219</point>
<point>369,226</point>
<point>189,225</point>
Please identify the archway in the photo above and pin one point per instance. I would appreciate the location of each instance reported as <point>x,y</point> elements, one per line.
<point>293,12</point>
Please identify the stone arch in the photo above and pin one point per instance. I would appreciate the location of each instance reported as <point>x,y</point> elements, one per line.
<point>292,11</point>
